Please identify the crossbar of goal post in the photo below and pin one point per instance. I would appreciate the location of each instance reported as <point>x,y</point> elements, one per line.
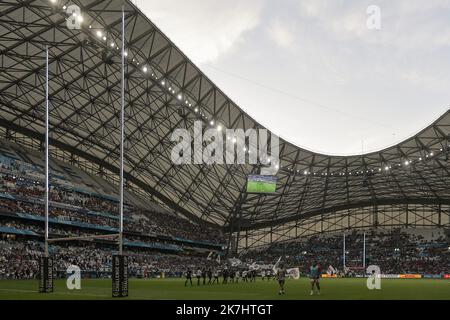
<point>84,238</point>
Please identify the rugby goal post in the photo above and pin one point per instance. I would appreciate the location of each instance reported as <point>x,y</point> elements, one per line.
<point>120,262</point>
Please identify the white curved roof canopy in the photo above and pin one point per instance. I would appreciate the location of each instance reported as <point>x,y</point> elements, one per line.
<point>85,98</point>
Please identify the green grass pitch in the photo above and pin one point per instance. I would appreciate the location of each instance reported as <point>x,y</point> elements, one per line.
<point>173,289</point>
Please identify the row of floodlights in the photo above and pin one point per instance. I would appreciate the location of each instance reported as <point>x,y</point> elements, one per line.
<point>144,68</point>
<point>386,168</point>
<point>165,84</point>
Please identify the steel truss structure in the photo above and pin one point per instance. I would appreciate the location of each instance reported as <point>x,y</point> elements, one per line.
<point>166,91</point>
<point>342,221</point>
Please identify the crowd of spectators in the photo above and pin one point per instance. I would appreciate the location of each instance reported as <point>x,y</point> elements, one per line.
<point>19,260</point>
<point>75,206</point>
<point>394,251</point>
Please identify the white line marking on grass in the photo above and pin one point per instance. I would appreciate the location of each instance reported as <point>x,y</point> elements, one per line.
<point>77,294</point>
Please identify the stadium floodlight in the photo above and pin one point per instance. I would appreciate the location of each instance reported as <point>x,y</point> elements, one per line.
<point>212,122</point>
<point>99,34</point>
<point>406,162</point>
<point>180,97</point>
<point>80,18</point>
<point>431,154</point>
<point>145,69</point>
<point>234,140</point>
<point>53,1</point>
<point>196,109</point>
<point>112,45</point>
<point>219,128</point>
<point>386,168</point>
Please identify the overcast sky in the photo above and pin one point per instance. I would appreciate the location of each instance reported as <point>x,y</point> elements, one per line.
<point>313,72</point>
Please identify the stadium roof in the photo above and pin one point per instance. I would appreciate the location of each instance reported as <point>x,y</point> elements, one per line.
<point>85,104</point>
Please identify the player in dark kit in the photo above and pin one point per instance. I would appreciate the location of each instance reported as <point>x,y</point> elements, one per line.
<point>204,276</point>
<point>225,276</point>
<point>231,274</point>
<point>281,275</point>
<point>188,277</point>
<point>209,275</point>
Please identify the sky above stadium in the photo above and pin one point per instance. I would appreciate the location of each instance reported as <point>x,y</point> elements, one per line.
<point>313,72</point>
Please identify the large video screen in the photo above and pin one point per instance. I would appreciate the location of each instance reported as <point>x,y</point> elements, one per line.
<point>261,184</point>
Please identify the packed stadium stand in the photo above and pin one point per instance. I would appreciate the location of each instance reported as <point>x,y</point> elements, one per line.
<point>82,204</point>
<point>176,215</point>
<point>395,251</point>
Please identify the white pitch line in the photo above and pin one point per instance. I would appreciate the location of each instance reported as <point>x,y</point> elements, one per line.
<point>72,294</point>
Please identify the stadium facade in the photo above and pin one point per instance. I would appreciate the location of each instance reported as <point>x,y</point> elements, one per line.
<point>406,185</point>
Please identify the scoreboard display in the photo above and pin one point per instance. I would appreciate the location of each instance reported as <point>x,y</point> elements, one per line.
<point>261,184</point>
